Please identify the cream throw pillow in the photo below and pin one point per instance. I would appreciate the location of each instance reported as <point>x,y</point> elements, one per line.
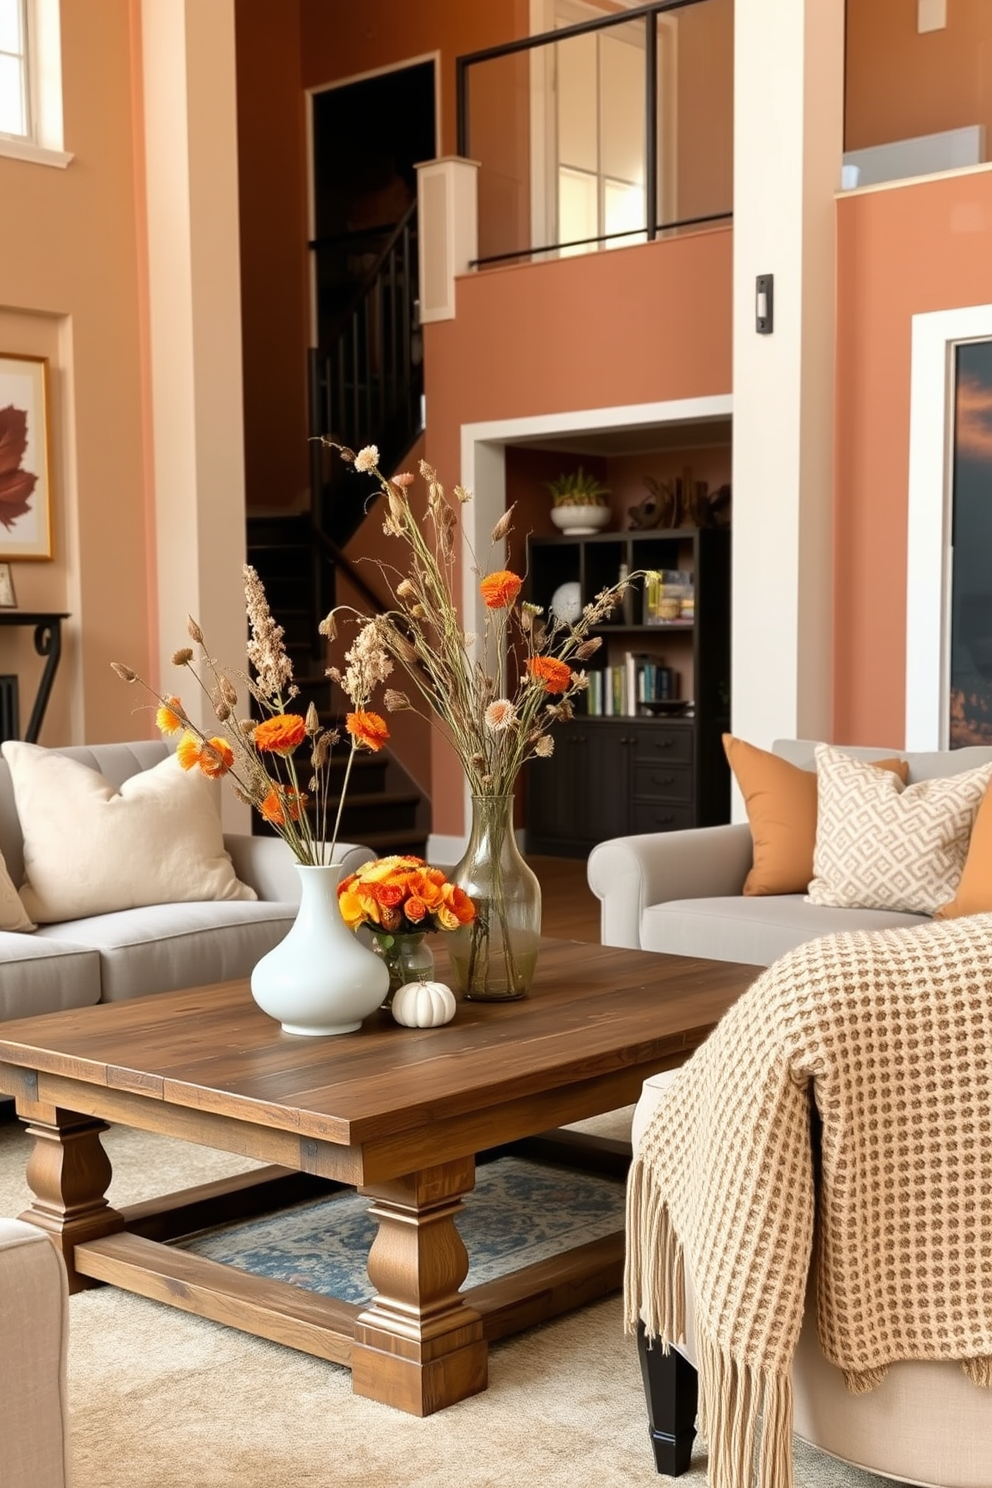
<point>883,845</point>
<point>12,916</point>
<point>90,849</point>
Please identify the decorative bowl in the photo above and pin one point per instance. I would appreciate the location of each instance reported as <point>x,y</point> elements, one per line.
<point>581,520</point>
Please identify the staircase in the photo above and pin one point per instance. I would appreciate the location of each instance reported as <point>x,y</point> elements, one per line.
<point>384,809</point>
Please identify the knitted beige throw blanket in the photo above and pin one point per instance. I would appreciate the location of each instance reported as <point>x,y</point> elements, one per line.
<point>890,1033</point>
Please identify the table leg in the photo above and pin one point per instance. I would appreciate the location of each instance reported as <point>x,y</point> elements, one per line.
<point>418,1346</point>
<point>69,1173</point>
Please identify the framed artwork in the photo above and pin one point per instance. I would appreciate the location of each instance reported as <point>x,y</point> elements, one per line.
<point>25,493</point>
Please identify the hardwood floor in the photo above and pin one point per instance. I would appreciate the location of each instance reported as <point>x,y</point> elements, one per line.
<point>569,908</point>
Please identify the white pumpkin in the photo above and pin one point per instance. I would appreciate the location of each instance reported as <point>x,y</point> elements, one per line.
<point>423,1004</point>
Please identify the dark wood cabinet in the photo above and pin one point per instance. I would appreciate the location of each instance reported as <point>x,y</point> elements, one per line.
<point>657,765</point>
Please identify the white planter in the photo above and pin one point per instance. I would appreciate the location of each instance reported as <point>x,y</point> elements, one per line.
<point>320,978</point>
<point>581,520</point>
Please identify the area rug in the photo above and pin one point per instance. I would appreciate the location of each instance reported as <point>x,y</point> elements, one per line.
<point>519,1212</point>
<point>164,1399</point>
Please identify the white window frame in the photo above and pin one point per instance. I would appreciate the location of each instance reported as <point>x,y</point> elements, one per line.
<point>930,556</point>
<point>43,145</point>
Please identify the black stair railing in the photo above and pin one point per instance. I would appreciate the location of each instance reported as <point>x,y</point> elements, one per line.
<point>367,385</point>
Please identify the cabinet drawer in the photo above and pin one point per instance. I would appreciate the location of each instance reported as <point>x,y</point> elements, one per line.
<point>662,816</point>
<point>663,743</point>
<point>663,782</point>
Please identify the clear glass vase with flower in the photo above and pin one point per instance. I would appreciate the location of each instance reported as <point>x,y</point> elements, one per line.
<point>399,900</point>
<point>496,697</point>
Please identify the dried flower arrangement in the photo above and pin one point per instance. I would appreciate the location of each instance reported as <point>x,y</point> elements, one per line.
<point>261,757</point>
<point>497,695</point>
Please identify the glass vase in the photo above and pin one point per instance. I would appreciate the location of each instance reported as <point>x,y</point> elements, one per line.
<point>494,958</point>
<point>408,957</point>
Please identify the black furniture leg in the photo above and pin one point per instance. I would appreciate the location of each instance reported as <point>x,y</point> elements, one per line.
<point>671,1389</point>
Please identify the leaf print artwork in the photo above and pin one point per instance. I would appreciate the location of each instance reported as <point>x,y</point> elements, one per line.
<point>16,485</point>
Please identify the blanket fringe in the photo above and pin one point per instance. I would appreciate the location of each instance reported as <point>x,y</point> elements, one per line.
<point>979,1371</point>
<point>733,1396</point>
<point>860,1381</point>
<point>654,1269</point>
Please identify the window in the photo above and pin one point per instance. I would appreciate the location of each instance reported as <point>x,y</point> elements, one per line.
<point>31,81</point>
<point>15,101</point>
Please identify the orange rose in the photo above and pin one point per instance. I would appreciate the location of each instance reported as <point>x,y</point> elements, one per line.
<point>556,675</point>
<point>415,909</point>
<point>281,733</point>
<point>368,729</point>
<point>168,719</point>
<point>500,589</point>
<point>216,758</point>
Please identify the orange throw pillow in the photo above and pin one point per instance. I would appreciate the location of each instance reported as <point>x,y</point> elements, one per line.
<point>780,799</point>
<point>974,895</point>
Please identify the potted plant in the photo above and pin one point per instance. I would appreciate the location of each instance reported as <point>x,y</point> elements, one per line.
<point>581,503</point>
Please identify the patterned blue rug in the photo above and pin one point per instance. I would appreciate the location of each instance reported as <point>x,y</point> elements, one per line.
<point>518,1213</point>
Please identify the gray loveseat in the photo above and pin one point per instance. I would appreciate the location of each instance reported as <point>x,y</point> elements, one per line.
<point>158,948</point>
<point>680,892</point>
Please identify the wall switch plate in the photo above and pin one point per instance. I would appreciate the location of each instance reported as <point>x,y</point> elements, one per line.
<point>764,309</point>
<point>931,15</point>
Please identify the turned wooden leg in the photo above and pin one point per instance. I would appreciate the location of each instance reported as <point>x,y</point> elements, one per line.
<point>69,1173</point>
<point>671,1390</point>
<point>417,1345</point>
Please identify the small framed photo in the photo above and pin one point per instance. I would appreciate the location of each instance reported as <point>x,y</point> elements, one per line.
<point>25,493</point>
<point>8,599</point>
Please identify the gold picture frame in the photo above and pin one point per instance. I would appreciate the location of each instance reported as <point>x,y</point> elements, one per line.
<point>25,487</point>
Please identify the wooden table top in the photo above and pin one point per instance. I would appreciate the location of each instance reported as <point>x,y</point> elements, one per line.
<point>592,1010</point>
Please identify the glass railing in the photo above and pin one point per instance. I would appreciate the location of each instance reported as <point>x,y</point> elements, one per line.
<point>602,132</point>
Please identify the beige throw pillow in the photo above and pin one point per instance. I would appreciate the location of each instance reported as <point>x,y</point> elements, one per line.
<point>883,845</point>
<point>12,916</point>
<point>91,849</point>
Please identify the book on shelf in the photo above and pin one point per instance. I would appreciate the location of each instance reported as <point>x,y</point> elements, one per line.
<point>616,690</point>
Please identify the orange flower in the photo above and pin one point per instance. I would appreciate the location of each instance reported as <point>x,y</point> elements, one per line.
<point>367,728</point>
<point>282,803</point>
<point>281,733</point>
<point>500,589</point>
<point>556,675</point>
<point>188,751</point>
<point>415,909</point>
<point>216,758</point>
<point>457,910</point>
<point>168,719</point>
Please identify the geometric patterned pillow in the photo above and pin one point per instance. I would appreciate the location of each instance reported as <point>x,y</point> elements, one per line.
<point>883,845</point>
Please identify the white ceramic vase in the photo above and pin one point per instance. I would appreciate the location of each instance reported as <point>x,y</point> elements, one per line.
<point>320,978</point>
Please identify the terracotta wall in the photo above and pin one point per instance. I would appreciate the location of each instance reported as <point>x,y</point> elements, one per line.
<point>273,190</point>
<point>70,291</point>
<point>633,326</point>
<point>705,109</point>
<point>921,247</point>
<point>901,83</point>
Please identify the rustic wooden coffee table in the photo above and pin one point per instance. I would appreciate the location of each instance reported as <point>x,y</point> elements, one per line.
<point>401,1114</point>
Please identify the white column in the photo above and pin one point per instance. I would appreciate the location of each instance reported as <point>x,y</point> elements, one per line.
<point>191,165</point>
<point>448,226</point>
<point>788,143</point>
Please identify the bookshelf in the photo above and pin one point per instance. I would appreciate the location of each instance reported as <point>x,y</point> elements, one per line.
<point>644,753</point>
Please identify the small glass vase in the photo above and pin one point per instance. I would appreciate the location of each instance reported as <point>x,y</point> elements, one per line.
<point>408,957</point>
<point>494,958</point>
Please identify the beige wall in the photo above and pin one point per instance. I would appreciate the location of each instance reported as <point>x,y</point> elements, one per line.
<point>70,291</point>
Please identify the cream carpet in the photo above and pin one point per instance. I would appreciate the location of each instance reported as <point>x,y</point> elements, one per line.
<point>162,1399</point>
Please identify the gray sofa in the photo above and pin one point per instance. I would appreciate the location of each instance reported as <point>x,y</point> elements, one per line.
<point>680,892</point>
<point>159,948</point>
